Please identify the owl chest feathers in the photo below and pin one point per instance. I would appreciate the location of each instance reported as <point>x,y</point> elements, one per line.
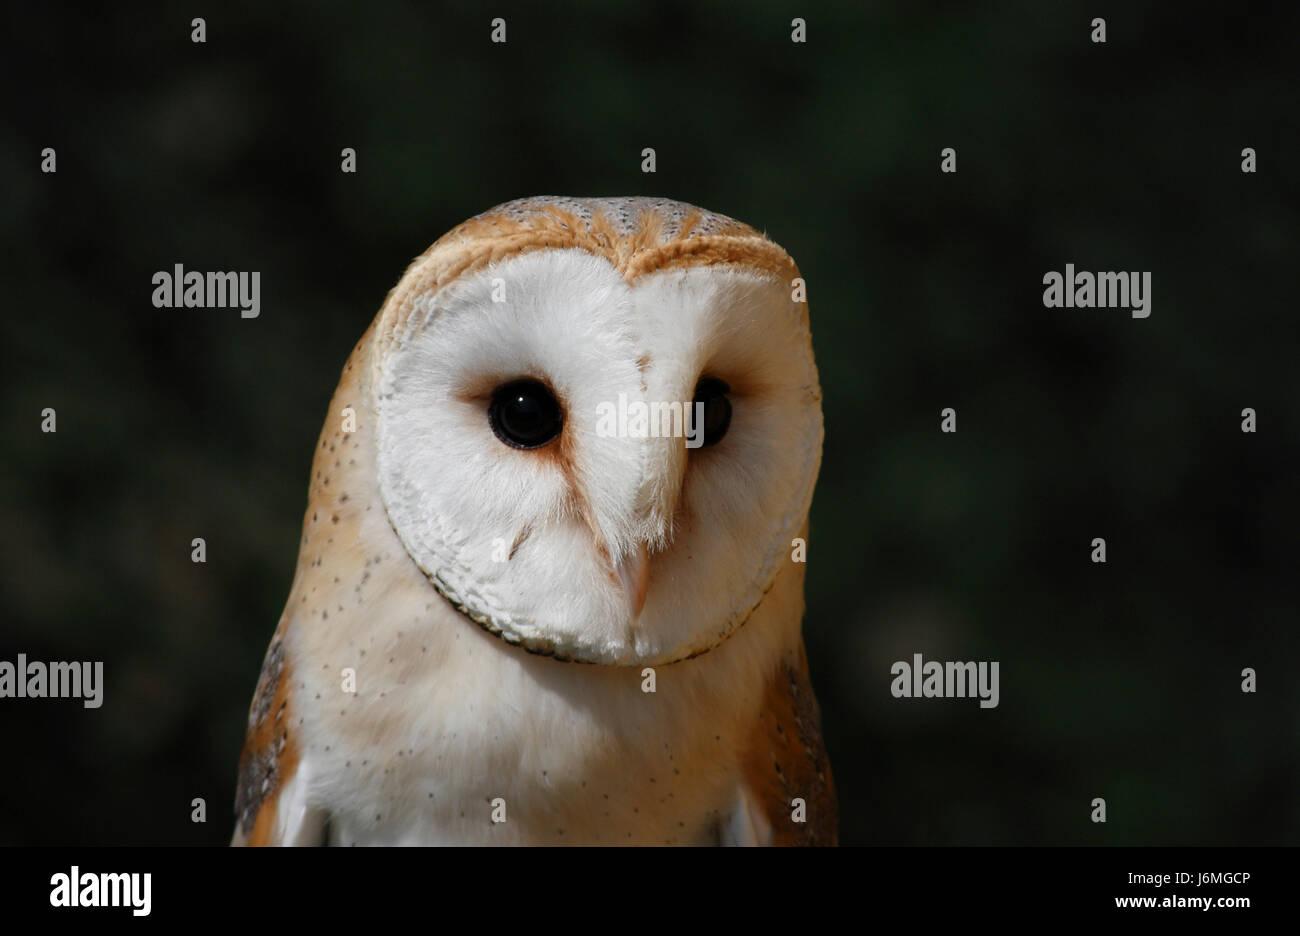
<point>415,726</point>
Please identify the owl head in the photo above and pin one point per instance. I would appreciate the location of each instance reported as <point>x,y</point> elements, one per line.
<point>598,423</point>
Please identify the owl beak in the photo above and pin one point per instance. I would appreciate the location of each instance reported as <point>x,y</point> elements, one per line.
<point>634,573</point>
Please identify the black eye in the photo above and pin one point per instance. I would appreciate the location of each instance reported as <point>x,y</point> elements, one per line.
<point>525,414</point>
<point>712,392</point>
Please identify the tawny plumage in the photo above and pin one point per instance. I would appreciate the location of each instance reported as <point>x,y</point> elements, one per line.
<point>508,623</point>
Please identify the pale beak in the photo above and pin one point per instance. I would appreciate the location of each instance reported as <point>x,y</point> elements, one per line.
<point>634,573</point>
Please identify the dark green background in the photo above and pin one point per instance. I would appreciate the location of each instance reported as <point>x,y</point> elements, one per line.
<point>1119,681</point>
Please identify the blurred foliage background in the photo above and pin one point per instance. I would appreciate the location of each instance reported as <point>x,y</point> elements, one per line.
<point>1121,681</point>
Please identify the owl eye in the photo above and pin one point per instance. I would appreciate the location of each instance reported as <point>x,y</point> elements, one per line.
<point>525,414</point>
<point>712,392</point>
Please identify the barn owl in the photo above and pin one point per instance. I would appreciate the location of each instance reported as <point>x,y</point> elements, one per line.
<point>518,619</point>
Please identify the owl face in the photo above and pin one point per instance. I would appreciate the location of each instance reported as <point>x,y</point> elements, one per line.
<point>529,455</point>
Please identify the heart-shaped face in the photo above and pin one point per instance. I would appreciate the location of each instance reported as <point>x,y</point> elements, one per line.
<point>599,451</point>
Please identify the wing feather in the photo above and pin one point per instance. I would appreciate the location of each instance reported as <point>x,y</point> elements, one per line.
<point>270,797</point>
<point>786,762</point>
